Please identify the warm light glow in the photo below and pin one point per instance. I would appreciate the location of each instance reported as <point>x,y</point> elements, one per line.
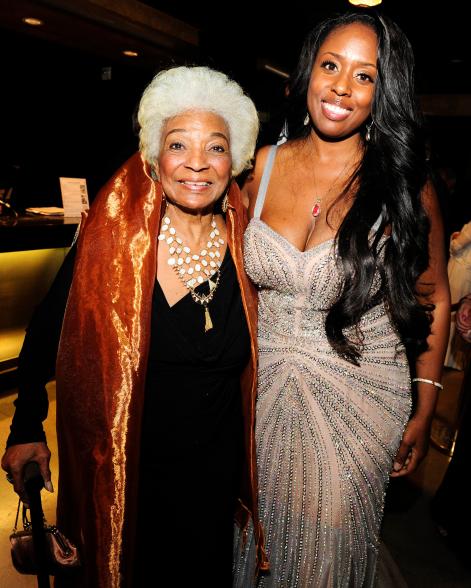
<point>25,278</point>
<point>33,22</point>
<point>131,53</point>
<point>365,3</point>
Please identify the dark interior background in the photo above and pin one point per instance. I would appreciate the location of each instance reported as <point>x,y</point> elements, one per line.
<point>60,117</point>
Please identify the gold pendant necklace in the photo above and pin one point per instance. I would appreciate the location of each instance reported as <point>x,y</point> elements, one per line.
<point>194,269</point>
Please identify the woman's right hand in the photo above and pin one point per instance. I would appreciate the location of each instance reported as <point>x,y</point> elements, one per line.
<point>17,456</point>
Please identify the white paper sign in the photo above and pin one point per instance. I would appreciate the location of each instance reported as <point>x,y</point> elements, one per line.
<point>74,195</point>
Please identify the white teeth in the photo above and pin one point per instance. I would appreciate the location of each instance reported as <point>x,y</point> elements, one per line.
<point>195,183</point>
<point>334,108</point>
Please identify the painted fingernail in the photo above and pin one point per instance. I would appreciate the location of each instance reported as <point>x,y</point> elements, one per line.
<point>397,467</point>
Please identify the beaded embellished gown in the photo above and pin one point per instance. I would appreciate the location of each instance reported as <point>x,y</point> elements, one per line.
<point>326,430</point>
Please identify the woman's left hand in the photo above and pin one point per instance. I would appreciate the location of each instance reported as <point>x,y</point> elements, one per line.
<point>413,448</point>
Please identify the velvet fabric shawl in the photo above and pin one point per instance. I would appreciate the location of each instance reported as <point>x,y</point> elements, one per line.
<point>101,370</point>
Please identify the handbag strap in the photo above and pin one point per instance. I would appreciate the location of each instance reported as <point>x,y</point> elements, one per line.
<point>26,521</point>
<point>17,515</point>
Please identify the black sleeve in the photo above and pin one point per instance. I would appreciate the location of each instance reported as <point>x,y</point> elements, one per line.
<point>37,360</point>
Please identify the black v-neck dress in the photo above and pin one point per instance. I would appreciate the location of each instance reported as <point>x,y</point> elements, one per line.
<point>192,438</point>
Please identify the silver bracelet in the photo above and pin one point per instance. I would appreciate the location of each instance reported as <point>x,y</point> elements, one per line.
<point>436,384</point>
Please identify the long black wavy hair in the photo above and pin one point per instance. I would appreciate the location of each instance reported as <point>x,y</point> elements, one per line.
<point>387,182</point>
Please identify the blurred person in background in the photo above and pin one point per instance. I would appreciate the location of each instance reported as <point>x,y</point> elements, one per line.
<point>459,276</point>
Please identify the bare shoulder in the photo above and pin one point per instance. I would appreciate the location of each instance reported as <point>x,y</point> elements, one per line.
<point>251,185</point>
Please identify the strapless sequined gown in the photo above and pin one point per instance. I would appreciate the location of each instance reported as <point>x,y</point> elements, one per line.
<point>326,430</point>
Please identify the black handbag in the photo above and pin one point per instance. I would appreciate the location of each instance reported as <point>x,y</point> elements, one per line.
<point>58,553</point>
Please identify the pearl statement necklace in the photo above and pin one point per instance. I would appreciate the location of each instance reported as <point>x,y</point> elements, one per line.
<point>193,269</point>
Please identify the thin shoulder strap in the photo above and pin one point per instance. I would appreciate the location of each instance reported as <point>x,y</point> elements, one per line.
<point>262,190</point>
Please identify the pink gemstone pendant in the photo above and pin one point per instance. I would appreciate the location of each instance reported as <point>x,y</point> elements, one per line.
<point>316,210</point>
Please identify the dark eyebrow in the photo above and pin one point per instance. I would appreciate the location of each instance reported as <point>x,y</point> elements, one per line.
<point>340,57</point>
<point>215,134</point>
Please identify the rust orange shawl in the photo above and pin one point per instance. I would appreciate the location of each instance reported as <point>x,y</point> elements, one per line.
<point>101,370</point>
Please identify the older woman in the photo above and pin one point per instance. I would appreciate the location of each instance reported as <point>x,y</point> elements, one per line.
<point>156,363</point>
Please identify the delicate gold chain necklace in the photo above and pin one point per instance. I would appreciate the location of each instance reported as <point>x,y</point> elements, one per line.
<point>193,269</point>
<point>316,208</point>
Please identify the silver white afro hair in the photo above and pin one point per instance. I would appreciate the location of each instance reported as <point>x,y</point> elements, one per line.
<point>183,88</point>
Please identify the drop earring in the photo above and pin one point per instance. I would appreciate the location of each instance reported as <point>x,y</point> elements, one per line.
<point>368,132</point>
<point>307,120</point>
<point>225,203</point>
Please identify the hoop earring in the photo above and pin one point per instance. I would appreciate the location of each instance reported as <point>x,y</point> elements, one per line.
<point>368,131</point>
<point>306,120</point>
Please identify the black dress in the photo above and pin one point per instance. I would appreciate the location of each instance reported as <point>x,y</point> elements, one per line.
<point>192,439</point>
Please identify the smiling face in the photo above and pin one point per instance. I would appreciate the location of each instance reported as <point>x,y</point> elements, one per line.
<point>195,161</point>
<point>342,81</point>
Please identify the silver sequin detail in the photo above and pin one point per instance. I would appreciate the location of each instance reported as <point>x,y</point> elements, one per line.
<point>326,431</point>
